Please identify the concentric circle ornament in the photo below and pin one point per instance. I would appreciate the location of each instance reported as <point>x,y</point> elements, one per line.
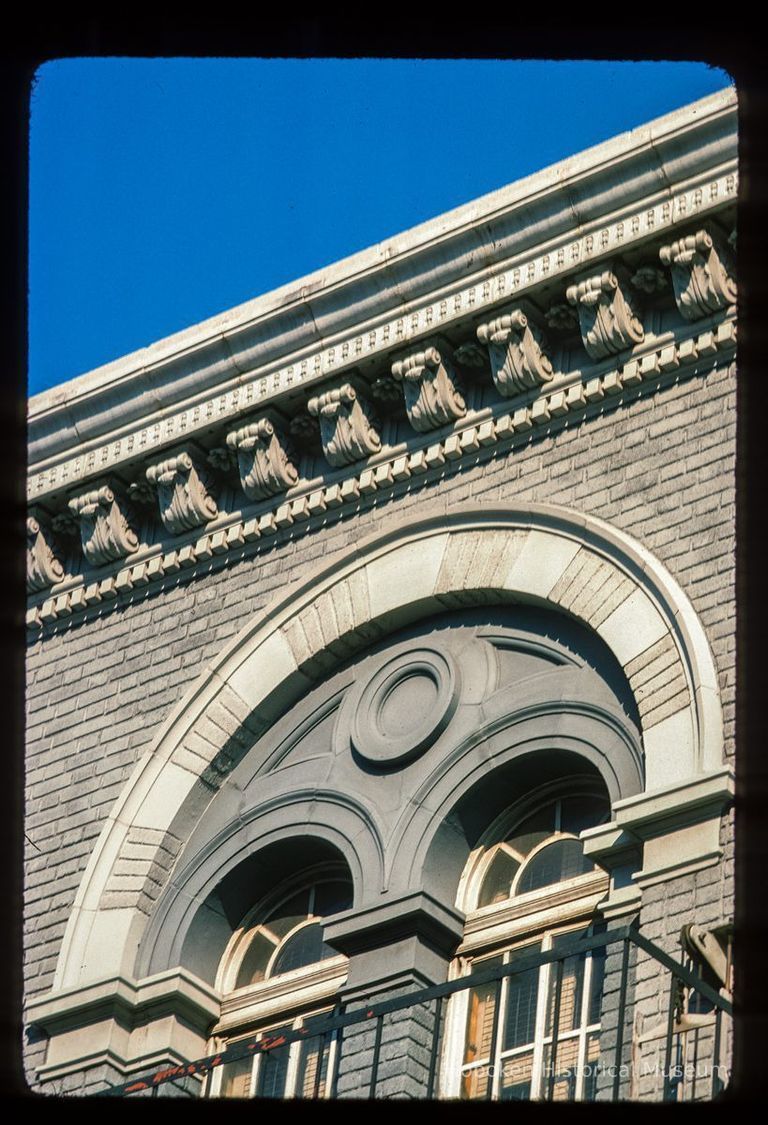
<point>400,711</point>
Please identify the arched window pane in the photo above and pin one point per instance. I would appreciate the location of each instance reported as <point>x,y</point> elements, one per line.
<point>253,967</point>
<point>304,948</point>
<point>498,878</point>
<point>332,897</point>
<point>561,860</point>
<point>288,914</point>
<point>578,813</point>
<point>533,830</point>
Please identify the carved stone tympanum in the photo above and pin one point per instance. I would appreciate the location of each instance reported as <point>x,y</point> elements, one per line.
<point>43,567</point>
<point>105,530</point>
<point>431,386</point>
<point>700,274</point>
<point>183,491</point>
<point>263,459</point>
<point>348,426</point>
<point>515,349</point>
<point>607,316</point>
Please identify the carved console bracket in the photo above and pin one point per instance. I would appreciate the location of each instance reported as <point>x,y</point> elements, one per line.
<point>700,274</point>
<point>431,386</point>
<point>348,426</point>
<point>515,349</point>
<point>263,458</point>
<point>183,491</point>
<point>607,317</point>
<point>44,569</point>
<point>105,530</point>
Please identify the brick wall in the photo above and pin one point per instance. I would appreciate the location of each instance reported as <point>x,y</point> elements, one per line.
<point>655,463</point>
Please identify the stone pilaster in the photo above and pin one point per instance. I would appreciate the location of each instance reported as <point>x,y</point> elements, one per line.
<point>396,947</point>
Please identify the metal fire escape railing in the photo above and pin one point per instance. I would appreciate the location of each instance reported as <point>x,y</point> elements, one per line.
<point>332,1027</point>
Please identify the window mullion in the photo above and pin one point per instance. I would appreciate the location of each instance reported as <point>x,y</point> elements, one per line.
<point>456,1023</point>
<point>293,1062</point>
<point>501,1016</point>
<point>541,1024</point>
<point>581,1058</point>
<point>256,1071</point>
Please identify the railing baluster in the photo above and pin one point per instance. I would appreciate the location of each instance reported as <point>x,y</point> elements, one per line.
<point>319,1066</point>
<point>435,1045</point>
<point>667,1096</point>
<point>333,1026</point>
<point>716,1087</point>
<point>494,1039</point>
<point>555,1026</point>
<point>622,1016</point>
<point>376,1053</point>
<point>695,1061</point>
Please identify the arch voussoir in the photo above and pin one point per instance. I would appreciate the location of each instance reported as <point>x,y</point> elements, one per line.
<point>538,553</point>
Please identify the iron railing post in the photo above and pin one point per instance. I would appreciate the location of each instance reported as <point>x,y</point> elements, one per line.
<point>622,1015</point>
<point>667,1094</point>
<point>716,1085</point>
<point>376,1053</point>
<point>435,1047</point>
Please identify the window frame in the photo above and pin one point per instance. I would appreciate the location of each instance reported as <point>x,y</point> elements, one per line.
<point>253,1010</point>
<point>521,921</point>
<point>216,1076</point>
<point>453,1074</point>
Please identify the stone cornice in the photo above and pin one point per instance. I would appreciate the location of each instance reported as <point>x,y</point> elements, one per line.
<point>371,308</point>
<point>478,436</point>
<point>177,991</point>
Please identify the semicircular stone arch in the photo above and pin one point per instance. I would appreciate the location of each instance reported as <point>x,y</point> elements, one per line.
<point>538,554</point>
<point>312,823</point>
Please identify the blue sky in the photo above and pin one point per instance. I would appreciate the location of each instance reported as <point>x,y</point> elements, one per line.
<point>163,191</point>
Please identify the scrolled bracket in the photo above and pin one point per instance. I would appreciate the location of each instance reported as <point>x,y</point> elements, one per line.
<point>104,518</point>
<point>515,348</point>
<point>263,458</point>
<point>431,387</point>
<point>607,314</point>
<point>348,424</point>
<point>184,491</point>
<point>701,275</point>
<point>44,567</point>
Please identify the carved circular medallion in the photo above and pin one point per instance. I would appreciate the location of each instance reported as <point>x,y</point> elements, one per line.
<point>399,711</point>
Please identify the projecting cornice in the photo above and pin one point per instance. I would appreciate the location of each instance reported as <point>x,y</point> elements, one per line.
<point>469,260</point>
<point>536,301</point>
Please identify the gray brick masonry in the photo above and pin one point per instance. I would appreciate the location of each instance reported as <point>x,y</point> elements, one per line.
<point>657,465</point>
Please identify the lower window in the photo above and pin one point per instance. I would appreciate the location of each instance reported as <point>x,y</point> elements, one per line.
<point>521,1066</point>
<point>296,1070</point>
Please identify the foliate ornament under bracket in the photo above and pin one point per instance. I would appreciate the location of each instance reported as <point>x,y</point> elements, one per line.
<point>701,277</point>
<point>184,491</point>
<point>470,354</point>
<point>432,389</point>
<point>141,492</point>
<point>515,348</point>
<point>263,458</point>
<point>560,317</point>
<point>348,424</point>
<point>106,533</point>
<point>607,314</point>
<point>44,568</point>
<point>649,279</point>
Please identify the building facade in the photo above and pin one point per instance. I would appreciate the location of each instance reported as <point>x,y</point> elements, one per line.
<point>381,664</point>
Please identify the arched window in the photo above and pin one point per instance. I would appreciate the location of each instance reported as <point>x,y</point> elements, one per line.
<point>276,972</point>
<point>529,888</point>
